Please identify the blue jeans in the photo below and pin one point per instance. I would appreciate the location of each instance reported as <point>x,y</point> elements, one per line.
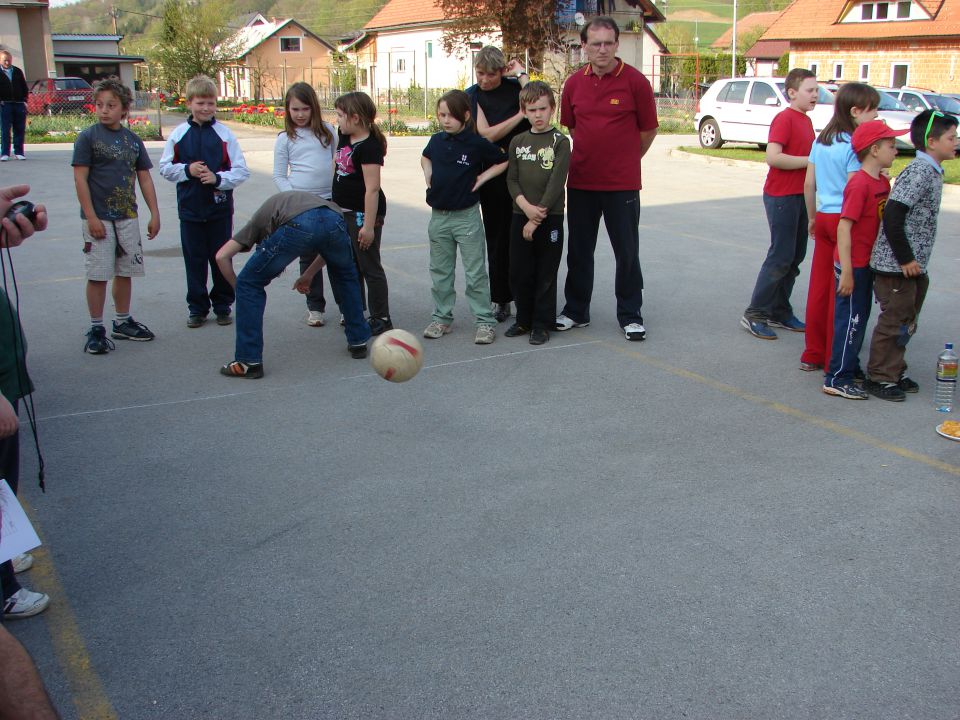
<point>787,218</point>
<point>13,116</point>
<point>849,327</point>
<point>322,231</point>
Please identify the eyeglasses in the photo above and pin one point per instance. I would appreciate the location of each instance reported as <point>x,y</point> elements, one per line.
<point>926,135</point>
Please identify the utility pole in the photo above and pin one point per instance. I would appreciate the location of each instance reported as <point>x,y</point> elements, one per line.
<point>733,46</point>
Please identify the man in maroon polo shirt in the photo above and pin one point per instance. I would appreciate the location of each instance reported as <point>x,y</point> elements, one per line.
<point>612,116</point>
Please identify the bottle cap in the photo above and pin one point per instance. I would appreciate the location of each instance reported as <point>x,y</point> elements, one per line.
<point>948,346</point>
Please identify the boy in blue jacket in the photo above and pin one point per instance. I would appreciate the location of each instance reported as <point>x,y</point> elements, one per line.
<point>204,158</point>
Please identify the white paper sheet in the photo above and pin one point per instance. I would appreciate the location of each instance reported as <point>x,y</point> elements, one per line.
<point>16,532</point>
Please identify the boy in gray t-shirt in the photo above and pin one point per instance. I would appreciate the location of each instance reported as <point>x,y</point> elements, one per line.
<point>902,251</point>
<point>108,160</point>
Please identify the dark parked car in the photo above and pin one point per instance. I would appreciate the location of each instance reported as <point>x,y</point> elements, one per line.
<point>62,94</point>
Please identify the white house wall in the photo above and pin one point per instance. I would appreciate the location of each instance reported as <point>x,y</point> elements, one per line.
<point>402,61</point>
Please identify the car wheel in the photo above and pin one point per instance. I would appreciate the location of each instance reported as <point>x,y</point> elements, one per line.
<point>710,134</point>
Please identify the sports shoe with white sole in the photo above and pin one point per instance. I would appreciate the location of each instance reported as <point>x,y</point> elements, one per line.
<point>436,330</point>
<point>564,323</point>
<point>315,318</point>
<point>846,390</point>
<point>486,334</point>
<point>25,603</point>
<point>635,332</point>
<point>22,562</point>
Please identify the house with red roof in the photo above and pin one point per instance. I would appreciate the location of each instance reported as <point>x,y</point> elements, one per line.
<point>888,43</point>
<point>402,46</point>
<point>271,55</point>
<point>762,56</point>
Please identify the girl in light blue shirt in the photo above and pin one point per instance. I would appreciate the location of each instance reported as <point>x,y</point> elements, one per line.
<point>831,163</point>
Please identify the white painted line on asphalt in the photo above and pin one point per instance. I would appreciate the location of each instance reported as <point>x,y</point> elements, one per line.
<point>274,389</point>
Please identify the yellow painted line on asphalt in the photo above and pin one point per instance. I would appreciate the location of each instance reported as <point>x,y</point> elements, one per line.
<point>86,689</point>
<point>791,411</point>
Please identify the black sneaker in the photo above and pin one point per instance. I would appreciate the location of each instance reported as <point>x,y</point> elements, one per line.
<point>538,336</point>
<point>846,390</point>
<point>502,312</point>
<point>97,341</point>
<point>358,352</point>
<point>379,325</point>
<point>251,371</point>
<point>130,329</point>
<point>225,319</point>
<point>516,330</point>
<point>908,385</point>
<point>195,321</point>
<point>884,391</point>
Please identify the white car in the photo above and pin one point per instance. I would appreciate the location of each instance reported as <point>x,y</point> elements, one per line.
<point>742,109</point>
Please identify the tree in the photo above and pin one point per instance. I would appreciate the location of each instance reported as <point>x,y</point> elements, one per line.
<point>526,25</point>
<point>194,40</point>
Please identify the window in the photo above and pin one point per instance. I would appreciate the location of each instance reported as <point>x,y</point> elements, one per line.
<point>815,69</point>
<point>838,71</point>
<point>899,74</point>
<point>903,10</point>
<point>290,44</point>
<point>866,11</point>
<point>864,72</point>
<point>363,77</point>
<point>734,92</point>
<point>429,49</point>
<point>401,65</point>
<point>913,101</point>
<point>760,93</point>
<point>882,11</point>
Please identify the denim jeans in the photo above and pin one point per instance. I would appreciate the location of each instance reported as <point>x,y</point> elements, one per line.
<point>787,218</point>
<point>322,231</point>
<point>13,117</point>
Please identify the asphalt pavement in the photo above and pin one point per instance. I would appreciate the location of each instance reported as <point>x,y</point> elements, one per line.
<point>680,528</point>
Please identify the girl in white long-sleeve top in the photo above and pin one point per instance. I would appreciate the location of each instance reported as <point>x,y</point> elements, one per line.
<point>303,159</point>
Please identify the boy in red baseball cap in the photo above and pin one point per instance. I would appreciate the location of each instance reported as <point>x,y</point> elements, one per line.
<point>863,200</point>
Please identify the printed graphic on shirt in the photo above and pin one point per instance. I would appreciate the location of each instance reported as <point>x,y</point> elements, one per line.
<point>546,156</point>
<point>463,160</point>
<point>344,159</point>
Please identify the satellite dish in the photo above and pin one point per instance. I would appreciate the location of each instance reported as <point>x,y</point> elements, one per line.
<point>579,19</point>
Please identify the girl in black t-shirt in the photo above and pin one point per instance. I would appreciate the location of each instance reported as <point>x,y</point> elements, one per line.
<point>356,189</point>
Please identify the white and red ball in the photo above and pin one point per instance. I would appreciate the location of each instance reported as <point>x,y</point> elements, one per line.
<point>396,355</point>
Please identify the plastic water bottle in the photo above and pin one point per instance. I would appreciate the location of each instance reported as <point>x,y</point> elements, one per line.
<point>946,379</point>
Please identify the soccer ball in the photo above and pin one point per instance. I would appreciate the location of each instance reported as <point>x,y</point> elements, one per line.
<point>396,355</point>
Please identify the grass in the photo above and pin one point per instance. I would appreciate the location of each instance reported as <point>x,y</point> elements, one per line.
<point>951,174</point>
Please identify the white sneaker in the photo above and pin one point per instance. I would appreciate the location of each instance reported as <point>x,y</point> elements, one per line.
<point>635,332</point>
<point>315,318</point>
<point>24,603</point>
<point>486,334</point>
<point>4,158</point>
<point>564,323</point>
<point>20,157</point>
<point>22,562</point>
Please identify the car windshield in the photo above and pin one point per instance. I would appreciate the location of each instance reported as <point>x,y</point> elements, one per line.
<point>888,102</point>
<point>824,97</point>
<point>944,103</point>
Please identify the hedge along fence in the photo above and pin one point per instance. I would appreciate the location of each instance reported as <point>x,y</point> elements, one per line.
<point>65,128</point>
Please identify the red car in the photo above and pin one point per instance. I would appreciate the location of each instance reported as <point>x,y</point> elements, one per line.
<point>57,95</point>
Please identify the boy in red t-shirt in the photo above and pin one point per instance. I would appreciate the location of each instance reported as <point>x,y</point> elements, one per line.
<point>788,146</point>
<point>863,200</point>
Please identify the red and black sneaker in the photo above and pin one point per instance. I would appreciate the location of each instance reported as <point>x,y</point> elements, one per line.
<point>251,371</point>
